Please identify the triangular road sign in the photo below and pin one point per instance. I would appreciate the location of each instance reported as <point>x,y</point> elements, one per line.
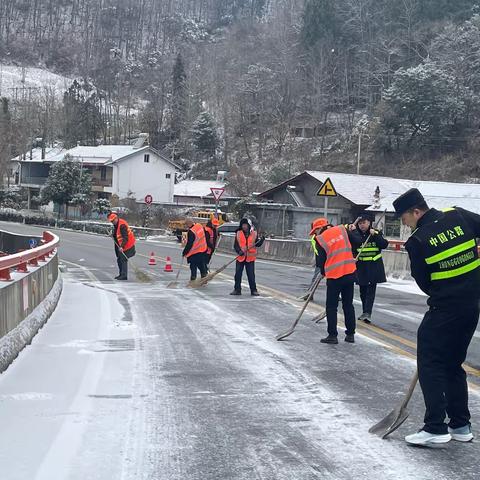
<point>217,192</point>
<point>327,189</point>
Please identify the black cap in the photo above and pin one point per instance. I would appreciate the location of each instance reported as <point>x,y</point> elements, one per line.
<point>410,199</point>
<point>366,216</point>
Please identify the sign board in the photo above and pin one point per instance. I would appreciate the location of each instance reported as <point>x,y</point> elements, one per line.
<point>32,242</point>
<point>148,199</point>
<point>327,189</point>
<point>217,192</point>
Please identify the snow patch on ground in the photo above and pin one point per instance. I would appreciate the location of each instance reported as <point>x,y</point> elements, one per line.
<point>406,286</point>
<point>11,77</point>
<point>15,341</point>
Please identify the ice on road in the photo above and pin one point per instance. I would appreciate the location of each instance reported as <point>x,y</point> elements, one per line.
<point>137,381</point>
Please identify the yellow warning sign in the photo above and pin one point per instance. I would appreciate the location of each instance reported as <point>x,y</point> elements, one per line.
<point>327,189</point>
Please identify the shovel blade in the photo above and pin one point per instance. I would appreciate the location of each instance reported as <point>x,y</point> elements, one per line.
<point>172,285</point>
<point>390,423</point>
<point>284,335</point>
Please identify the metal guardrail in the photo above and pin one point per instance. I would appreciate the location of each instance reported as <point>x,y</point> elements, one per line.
<point>21,260</point>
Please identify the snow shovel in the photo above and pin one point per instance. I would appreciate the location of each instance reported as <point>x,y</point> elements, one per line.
<point>206,279</point>
<point>397,416</point>
<point>174,284</point>
<point>295,323</point>
<point>319,317</point>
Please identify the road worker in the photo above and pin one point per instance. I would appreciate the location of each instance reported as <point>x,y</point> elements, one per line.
<point>318,270</point>
<point>445,265</point>
<point>124,241</point>
<point>195,249</point>
<point>370,268</point>
<point>246,243</point>
<point>211,230</point>
<point>337,264</point>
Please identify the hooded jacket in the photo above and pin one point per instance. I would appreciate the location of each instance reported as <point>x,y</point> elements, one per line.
<point>259,241</point>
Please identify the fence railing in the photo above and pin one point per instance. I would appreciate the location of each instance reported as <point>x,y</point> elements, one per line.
<point>21,260</point>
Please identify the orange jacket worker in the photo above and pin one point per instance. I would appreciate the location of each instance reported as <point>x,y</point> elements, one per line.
<point>124,241</point>
<point>196,249</point>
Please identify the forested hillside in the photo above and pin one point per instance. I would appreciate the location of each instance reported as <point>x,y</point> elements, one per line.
<point>261,88</point>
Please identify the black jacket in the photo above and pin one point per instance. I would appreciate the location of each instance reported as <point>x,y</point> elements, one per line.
<point>436,232</point>
<point>368,272</point>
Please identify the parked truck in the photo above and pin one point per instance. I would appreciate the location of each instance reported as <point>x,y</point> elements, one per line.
<point>178,226</point>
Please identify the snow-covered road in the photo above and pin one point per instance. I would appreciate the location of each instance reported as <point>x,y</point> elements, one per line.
<point>137,381</point>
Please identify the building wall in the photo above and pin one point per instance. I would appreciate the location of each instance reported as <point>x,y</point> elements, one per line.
<point>308,188</point>
<point>134,175</point>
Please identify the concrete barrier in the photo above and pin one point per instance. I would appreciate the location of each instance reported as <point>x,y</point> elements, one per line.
<point>300,251</point>
<point>29,298</point>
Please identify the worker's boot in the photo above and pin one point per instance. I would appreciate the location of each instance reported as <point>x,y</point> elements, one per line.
<point>350,338</point>
<point>330,339</point>
<point>236,292</point>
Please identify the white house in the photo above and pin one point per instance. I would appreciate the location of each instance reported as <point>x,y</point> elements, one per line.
<point>120,170</point>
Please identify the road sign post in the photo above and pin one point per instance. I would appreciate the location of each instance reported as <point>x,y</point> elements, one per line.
<point>326,191</point>
<point>217,193</point>
<point>148,202</point>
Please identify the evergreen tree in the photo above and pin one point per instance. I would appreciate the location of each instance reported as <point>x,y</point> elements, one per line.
<point>67,180</point>
<point>179,98</point>
<point>82,118</point>
<point>5,136</point>
<point>319,22</point>
<point>204,134</point>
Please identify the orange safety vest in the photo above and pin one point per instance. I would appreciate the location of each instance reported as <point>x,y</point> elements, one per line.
<point>200,242</point>
<point>248,244</point>
<point>212,239</point>
<point>340,261</point>
<point>131,237</point>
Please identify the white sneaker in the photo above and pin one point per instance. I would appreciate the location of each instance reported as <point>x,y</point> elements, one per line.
<point>462,434</point>
<point>426,438</point>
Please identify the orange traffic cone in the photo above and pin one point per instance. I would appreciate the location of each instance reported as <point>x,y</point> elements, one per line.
<point>151,260</point>
<point>168,265</point>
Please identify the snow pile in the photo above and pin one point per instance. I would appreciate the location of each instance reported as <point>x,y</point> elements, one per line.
<point>16,340</point>
<point>11,77</point>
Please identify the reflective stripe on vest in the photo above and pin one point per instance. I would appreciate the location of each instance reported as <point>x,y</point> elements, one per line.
<point>314,245</point>
<point>131,237</point>
<point>340,261</point>
<point>370,254</point>
<point>200,242</point>
<point>454,261</point>
<point>247,243</point>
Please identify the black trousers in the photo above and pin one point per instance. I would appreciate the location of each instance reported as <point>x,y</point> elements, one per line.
<point>122,263</point>
<point>335,287</point>
<point>250,268</point>
<point>197,262</point>
<point>442,343</point>
<point>367,295</point>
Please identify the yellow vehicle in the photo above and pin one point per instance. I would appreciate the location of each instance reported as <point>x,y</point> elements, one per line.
<point>178,226</point>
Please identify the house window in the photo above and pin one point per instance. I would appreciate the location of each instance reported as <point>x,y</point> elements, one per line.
<point>103,173</point>
<point>146,158</point>
<point>168,175</point>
